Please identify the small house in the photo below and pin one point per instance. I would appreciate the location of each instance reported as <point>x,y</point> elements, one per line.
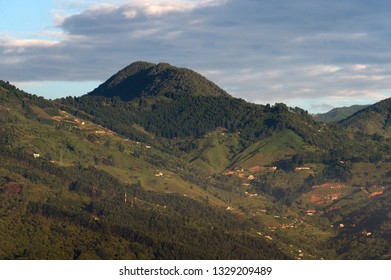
<point>302,168</point>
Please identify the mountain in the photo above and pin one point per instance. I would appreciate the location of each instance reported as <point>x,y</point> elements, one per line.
<point>72,189</point>
<point>181,175</point>
<point>375,119</point>
<point>339,114</point>
<point>148,79</point>
<point>144,101</point>
<point>181,121</point>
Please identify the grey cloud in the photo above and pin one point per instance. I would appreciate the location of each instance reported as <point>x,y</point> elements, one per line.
<point>263,51</point>
<point>98,22</point>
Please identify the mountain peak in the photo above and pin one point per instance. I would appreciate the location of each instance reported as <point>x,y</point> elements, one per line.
<point>149,79</point>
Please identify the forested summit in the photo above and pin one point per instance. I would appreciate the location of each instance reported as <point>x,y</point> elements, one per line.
<point>148,79</point>
<point>145,100</point>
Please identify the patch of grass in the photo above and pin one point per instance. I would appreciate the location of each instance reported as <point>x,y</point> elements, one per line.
<point>266,151</point>
<point>215,151</point>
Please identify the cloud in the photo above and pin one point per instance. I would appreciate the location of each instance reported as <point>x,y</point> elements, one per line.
<point>263,51</point>
<point>322,69</point>
<point>330,37</point>
<point>14,43</point>
<point>160,9</point>
<point>359,67</point>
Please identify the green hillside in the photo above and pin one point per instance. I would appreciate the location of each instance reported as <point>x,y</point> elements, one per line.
<point>75,186</point>
<point>214,151</point>
<point>267,151</point>
<point>372,120</point>
<point>159,163</point>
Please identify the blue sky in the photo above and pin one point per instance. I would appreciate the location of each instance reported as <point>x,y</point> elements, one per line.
<point>37,19</point>
<point>314,54</point>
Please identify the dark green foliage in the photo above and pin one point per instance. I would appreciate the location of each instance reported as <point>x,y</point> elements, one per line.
<point>156,226</point>
<point>282,195</point>
<point>193,116</point>
<point>197,233</point>
<point>8,134</point>
<point>367,232</point>
<point>189,116</point>
<point>338,171</point>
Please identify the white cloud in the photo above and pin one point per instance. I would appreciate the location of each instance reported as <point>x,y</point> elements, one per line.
<point>131,8</point>
<point>321,69</point>
<point>12,46</point>
<point>160,9</point>
<point>13,42</point>
<point>359,67</point>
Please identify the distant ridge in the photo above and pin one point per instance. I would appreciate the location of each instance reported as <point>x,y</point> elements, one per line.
<point>375,119</point>
<point>149,79</point>
<point>339,114</point>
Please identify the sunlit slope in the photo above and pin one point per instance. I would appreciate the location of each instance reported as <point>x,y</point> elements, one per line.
<point>281,145</point>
